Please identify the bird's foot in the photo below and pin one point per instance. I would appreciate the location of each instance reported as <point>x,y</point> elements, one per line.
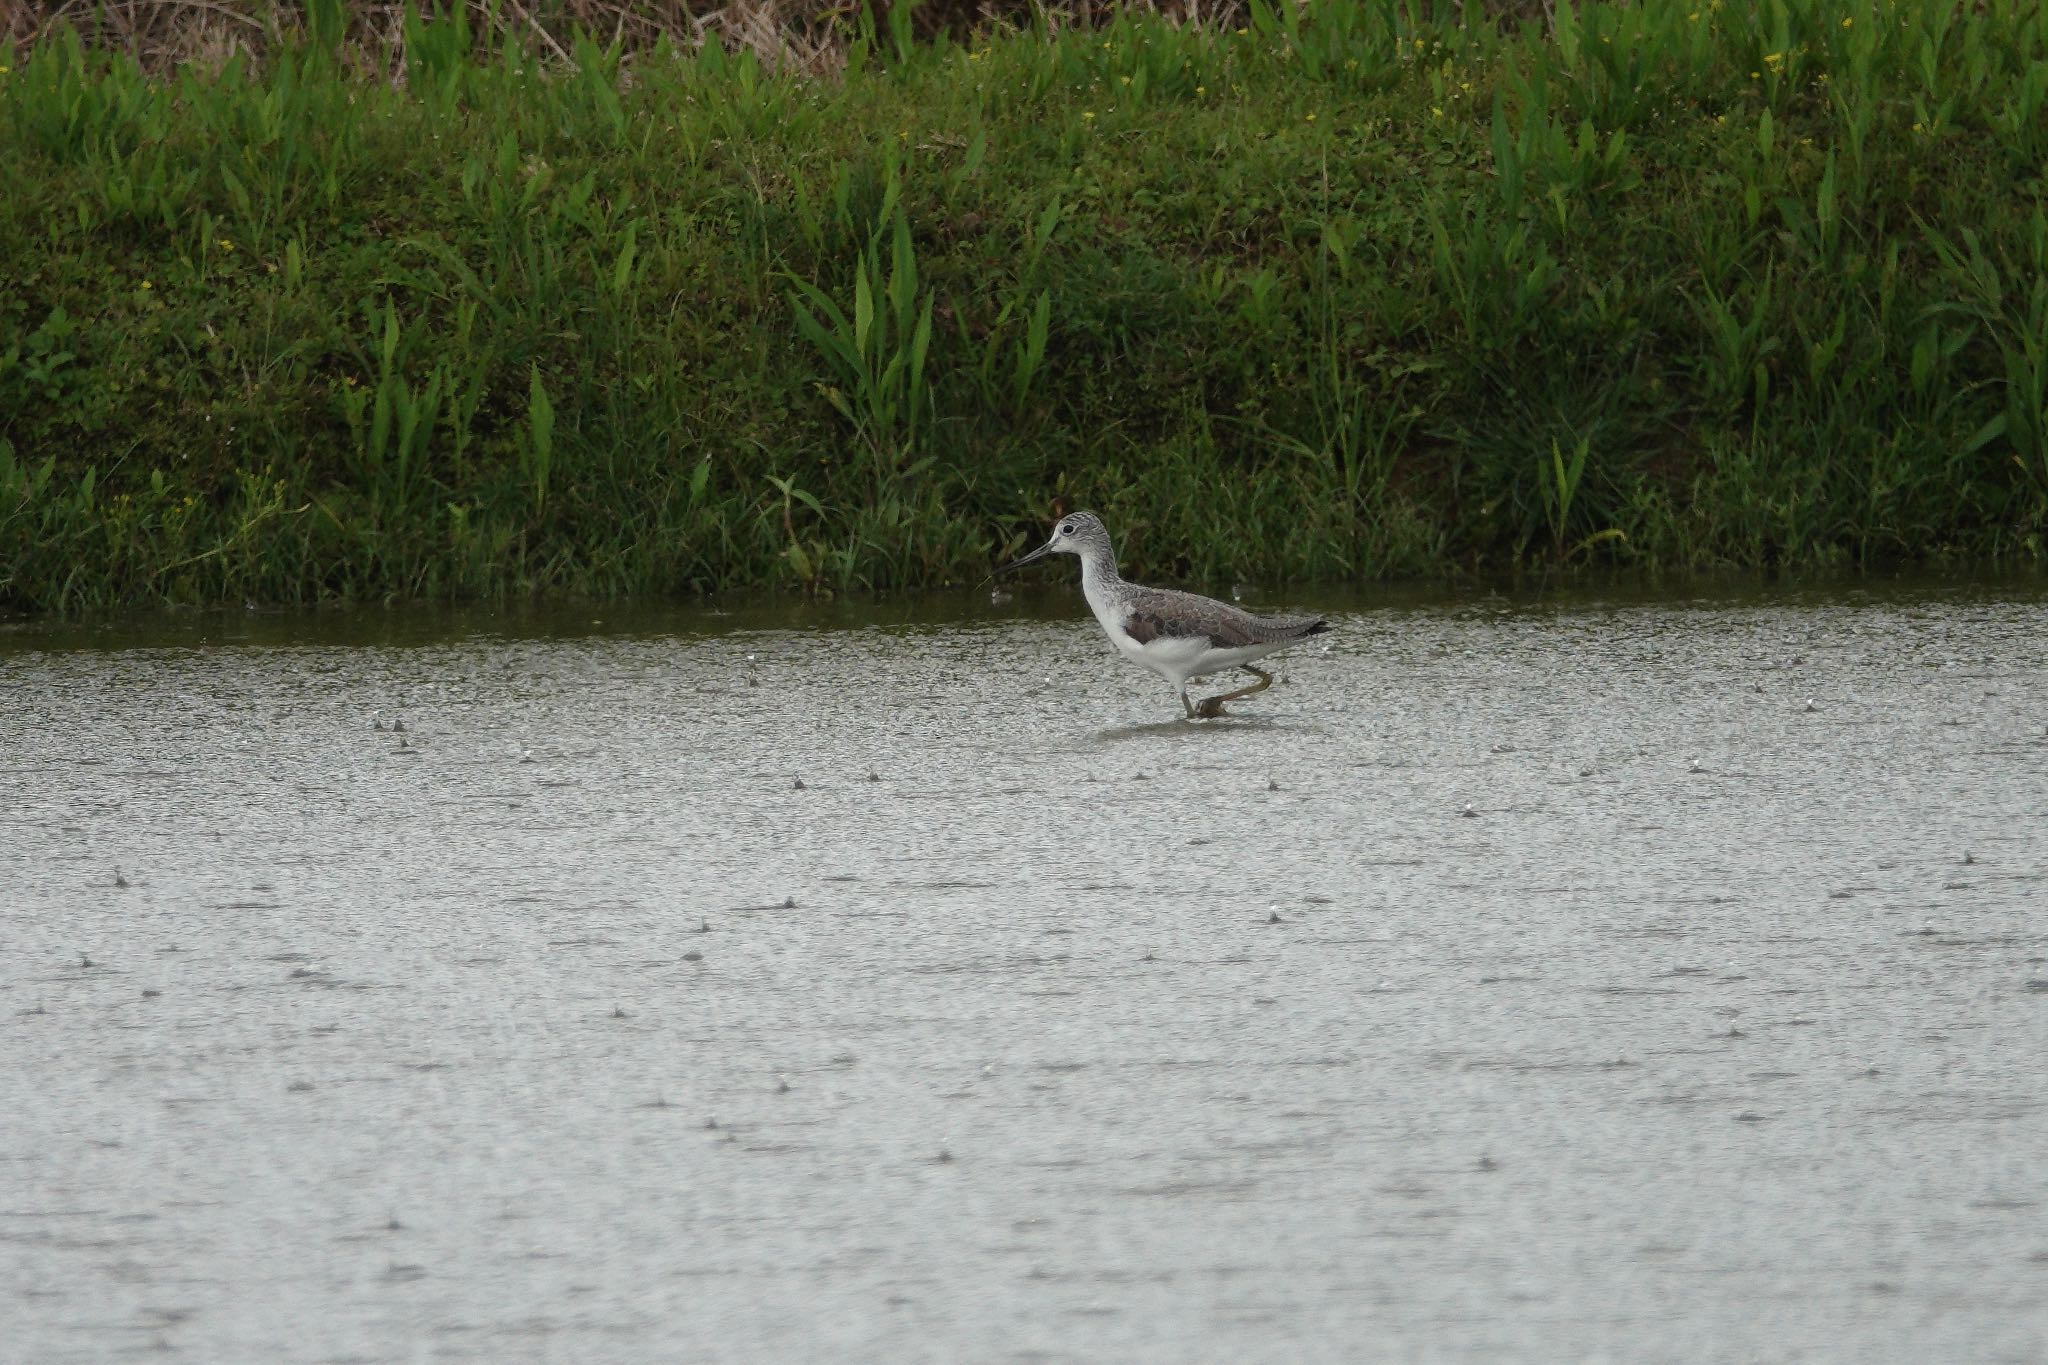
<point>1209,708</point>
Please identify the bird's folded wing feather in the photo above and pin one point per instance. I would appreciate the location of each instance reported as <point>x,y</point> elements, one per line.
<point>1161,613</point>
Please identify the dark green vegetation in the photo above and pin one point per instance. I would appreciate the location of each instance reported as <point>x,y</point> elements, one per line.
<point>1354,290</point>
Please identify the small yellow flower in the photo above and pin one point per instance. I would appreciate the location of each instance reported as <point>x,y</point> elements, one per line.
<point>1846,21</point>
<point>1436,111</point>
<point>1773,58</point>
<point>1201,90</point>
<point>1125,79</point>
<point>1753,75</point>
<point>1087,115</point>
<point>147,285</point>
<point>1693,18</point>
<point>1308,118</point>
<point>226,245</point>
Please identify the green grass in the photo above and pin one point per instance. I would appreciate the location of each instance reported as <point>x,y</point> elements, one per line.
<point>1352,291</point>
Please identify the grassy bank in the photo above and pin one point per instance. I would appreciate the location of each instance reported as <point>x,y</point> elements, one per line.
<point>1352,290</point>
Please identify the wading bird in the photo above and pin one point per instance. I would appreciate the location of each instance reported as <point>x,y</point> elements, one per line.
<point>1177,635</point>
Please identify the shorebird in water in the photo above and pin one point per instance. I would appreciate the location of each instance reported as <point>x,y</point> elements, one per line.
<point>1177,635</point>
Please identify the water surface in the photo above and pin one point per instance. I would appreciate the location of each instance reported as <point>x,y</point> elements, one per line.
<point>1618,976</point>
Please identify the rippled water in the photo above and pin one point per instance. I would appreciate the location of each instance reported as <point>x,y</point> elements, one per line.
<point>1623,978</point>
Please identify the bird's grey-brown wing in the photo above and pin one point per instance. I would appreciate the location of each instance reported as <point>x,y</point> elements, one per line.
<point>1161,613</point>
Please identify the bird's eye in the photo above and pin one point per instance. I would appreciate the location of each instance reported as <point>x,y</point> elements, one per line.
<point>1068,529</point>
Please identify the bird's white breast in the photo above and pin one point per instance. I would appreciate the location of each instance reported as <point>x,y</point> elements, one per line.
<point>1171,657</point>
<point>1110,612</point>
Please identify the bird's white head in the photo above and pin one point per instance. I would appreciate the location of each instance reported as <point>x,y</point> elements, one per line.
<point>1077,533</point>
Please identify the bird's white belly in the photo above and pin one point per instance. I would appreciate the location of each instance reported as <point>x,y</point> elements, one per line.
<point>1175,658</point>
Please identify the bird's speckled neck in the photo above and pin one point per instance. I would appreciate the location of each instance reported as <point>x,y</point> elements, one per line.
<point>1098,563</point>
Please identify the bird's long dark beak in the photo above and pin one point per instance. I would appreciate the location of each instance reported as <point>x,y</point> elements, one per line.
<point>1040,553</point>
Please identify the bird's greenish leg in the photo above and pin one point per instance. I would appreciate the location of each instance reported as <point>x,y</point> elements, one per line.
<point>1212,707</point>
<point>1185,704</point>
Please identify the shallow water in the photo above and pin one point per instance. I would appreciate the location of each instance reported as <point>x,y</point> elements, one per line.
<point>1522,979</point>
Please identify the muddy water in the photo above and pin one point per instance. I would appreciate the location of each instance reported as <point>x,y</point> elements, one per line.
<point>1610,978</point>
